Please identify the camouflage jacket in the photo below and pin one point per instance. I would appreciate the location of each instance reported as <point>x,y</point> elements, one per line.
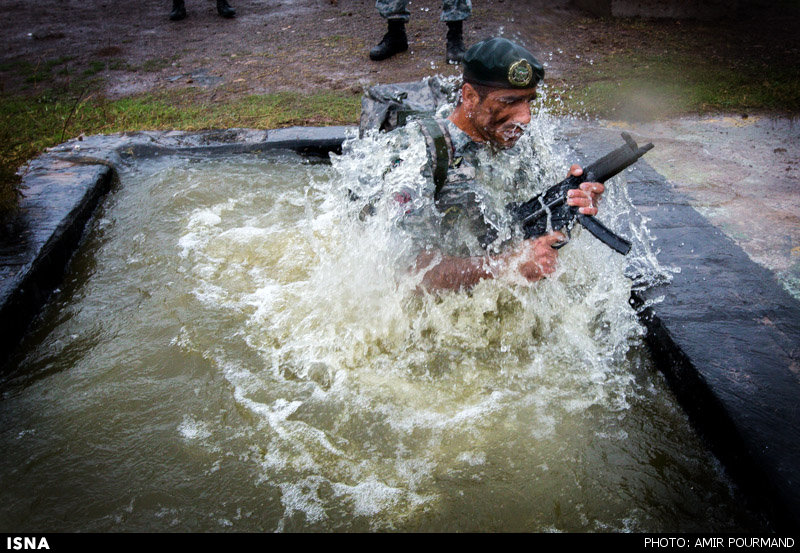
<point>470,217</point>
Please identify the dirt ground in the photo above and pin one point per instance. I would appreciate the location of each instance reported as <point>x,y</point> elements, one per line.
<point>274,45</point>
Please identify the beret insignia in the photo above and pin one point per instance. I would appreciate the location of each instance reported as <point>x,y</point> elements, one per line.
<point>520,73</point>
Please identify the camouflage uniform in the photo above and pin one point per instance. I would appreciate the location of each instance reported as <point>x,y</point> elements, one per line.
<point>468,217</point>
<point>452,10</point>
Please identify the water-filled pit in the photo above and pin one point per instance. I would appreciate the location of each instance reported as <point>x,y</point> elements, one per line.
<point>232,350</point>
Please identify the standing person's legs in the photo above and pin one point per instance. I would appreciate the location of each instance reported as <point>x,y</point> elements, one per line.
<point>393,9</point>
<point>225,9</point>
<point>178,10</point>
<point>454,12</point>
<point>395,40</point>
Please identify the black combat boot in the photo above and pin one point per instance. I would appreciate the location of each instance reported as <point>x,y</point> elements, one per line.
<point>178,10</point>
<point>394,42</point>
<point>225,9</point>
<point>455,42</point>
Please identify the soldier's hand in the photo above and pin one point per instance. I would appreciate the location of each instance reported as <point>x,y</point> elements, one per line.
<point>587,196</point>
<point>537,258</point>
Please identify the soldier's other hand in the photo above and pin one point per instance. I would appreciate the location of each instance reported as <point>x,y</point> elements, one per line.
<point>587,196</point>
<point>538,257</point>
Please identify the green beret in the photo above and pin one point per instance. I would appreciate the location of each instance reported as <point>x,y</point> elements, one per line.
<point>500,63</point>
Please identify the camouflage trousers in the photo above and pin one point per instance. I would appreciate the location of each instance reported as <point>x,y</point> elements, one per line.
<point>452,10</point>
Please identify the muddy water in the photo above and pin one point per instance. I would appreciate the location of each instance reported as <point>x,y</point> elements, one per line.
<point>232,351</point>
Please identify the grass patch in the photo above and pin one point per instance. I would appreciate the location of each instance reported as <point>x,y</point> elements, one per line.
<point>29,125</point>
<point>647,86</point>
<point>115,64</point>
<point>35,72</point>
<point>153,65</point>
<point>95,67</point>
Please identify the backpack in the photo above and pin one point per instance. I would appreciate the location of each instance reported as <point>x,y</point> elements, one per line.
<point>389,106</point>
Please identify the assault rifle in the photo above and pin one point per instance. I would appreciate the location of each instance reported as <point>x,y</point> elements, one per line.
<point>549,210</point>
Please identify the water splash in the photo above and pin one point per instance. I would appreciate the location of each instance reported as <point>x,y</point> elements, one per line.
<point>369,391</point>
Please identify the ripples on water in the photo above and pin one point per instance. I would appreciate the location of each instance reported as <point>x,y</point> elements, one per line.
<point>234,350</point>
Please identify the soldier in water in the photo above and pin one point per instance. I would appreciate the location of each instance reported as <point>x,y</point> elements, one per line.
<point>457,221</point>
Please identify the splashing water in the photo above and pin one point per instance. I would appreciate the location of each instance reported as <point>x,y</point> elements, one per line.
<point>284,364</point>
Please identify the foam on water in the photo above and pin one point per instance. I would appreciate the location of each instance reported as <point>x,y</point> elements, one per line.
<point>193,430</point>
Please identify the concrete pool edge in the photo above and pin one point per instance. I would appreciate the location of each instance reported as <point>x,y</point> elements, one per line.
<point>742,401</point>
<point>726,335</point>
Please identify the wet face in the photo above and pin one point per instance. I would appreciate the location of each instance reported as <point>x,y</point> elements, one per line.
<point>501,116</point>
